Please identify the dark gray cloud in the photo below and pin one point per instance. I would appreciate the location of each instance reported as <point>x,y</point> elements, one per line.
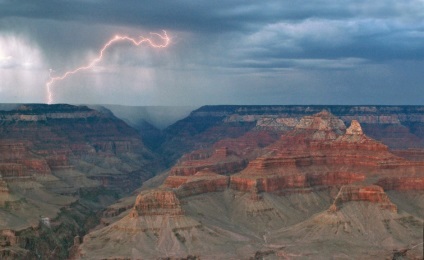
<point>323,51</point>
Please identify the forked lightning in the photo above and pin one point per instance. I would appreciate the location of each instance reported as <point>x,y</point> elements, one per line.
<point>118,38</point>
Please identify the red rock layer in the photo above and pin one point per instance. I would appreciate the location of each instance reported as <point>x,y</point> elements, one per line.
<point>221,160</point>
<point>222,167</point>
<point>227,156</point>
<point>16,160</point>
<point>402,183</point>
<point>372,193</point>
<point>320,152</point>
<point>202,182</point>
<point>314,154</point>
<point>157,202</point>
<point>34,139</point>
<point>410,154</point>
<point>278,182</point>
<point>202,170</point>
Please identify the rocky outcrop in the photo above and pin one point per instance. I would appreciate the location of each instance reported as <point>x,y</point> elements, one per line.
<point>281,124</point>
<point>290,182</point>
<point>156,202</point>
<point>372,193</point>
<point>202,182</point>
<point>355,137</point>
<point>354,129</point>
<point>320,141</point>
<point>324,125</point>
<point>221,160</point>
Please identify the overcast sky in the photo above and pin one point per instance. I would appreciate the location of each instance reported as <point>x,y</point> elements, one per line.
<point>221,52</point>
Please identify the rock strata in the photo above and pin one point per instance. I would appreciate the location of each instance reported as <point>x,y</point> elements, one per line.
<point>157,202</point>
<point>320,141</point>
<point>202,182</point>
<point>402,183</point>
<point>305,179</point>
<point>325,125</point>
<point>372,193</point>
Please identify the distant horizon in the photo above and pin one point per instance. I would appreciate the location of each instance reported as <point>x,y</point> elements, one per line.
<point>100,104</point>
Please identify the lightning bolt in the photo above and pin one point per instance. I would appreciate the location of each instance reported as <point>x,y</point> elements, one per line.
<point>118,38</point>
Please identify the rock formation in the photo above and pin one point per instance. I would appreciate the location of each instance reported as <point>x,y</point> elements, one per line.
<point>37,139</point>
<point>320,141</point>
<point>306,182</point>
<point>53,156</point>
<point>399,127</point>
<point>253,180</point>
<point>202,182</point>
<point>157,202</point>
<point>372,193</point>
<point>324,125</point>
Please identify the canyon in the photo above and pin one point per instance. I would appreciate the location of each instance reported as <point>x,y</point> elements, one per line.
<point>225,182</point>
<point>55,160</point>
<point>275,193</point>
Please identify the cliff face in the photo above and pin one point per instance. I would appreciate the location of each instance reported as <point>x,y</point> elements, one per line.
<point>220,160</point>
<point>306,179</point>
<point>372,193</point>
<point>323,126</point>
<point>399,127</point>
<point>319,152</point>
<point>201,182</point>
<point>158,202</point>
<point>38,138</point>
<point>53,156</point>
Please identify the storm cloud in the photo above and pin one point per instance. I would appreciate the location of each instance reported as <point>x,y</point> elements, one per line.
<point>221,52</point>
